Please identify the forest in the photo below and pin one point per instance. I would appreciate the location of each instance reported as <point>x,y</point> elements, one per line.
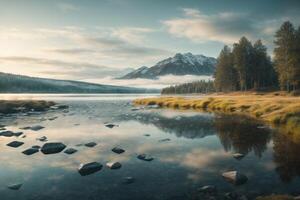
<point>247,66</point>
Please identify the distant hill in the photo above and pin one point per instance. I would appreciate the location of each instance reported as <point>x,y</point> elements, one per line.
<point>10,83</point>
<point>180,64</point>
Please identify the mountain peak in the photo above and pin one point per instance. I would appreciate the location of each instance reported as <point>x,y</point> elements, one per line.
<point>179,64</point>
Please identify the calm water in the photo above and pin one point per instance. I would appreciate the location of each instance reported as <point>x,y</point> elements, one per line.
<point>200,149</point>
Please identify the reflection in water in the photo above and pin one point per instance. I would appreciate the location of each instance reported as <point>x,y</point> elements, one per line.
<point>195,126</point>
<point>242,135</point>
<point>286,157</point>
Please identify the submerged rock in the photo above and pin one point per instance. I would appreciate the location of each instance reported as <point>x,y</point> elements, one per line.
<point>165,140</point>
<point>89,168</point>
<point>17,134</point>
<point>90,144</point>
<point>147,135</point>
<point>118,150</point>
<point>238,156</point>
<point>114,165</point>
<point>128,180</point>
<point>235,177</point>
<point>15,186</point>
<point>70,151</point>
<point>36,128</point>
<point>110,125</point>
<point>52,147</point>
<point>208,189</point>
<point>15,144</point>
<point>145,157</point>
<point>42,139</point>
<point>30,151</point>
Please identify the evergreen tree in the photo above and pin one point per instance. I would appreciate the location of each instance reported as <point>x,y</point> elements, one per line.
<point>225,76</point>
<point>284,57</point>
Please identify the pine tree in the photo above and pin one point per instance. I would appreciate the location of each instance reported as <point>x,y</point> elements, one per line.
<point>225,77</point>
<point>283,56</point>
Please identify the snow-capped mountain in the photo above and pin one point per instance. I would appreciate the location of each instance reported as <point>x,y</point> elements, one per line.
<point>180,64</point>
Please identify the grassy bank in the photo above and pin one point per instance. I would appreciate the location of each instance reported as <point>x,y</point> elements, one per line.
<point>8,106</point>
<point>272,108</point>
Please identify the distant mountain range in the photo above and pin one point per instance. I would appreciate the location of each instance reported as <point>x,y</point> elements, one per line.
<point>180,64</point>
<point>10,83</point>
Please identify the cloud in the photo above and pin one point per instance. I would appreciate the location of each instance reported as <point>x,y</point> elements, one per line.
<point>66,7</point>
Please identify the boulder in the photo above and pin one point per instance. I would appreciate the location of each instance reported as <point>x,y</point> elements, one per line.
<point>114,165</point>
<point>30,151</point>
<point>15,144</point>
<point>118,150</point>
<point>70,151</point>
<point>7,133</point>
<point>145,157</point>
<point>52,147</point>
<point>90,144</point>
<point>235,177</point>
<point>89,168</point>
<point>15,186</point>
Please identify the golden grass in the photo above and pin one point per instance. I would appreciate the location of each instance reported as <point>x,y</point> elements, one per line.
<point>272,108</point>
<point>10,106</point>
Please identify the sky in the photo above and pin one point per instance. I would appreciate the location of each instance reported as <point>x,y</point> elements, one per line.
<point>96,40</point>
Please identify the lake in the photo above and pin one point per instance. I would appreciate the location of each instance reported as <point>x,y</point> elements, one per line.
<point>190,150</point>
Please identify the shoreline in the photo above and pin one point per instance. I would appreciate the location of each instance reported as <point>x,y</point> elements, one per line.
<point>272,108</point>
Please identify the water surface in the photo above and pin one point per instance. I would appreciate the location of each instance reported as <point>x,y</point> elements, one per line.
<point>200,149</point>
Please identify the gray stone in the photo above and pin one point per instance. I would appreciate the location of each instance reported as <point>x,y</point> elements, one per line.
<point>15,186</point>
<point>70,151</point>
<point>114,165</point>
<point>36,127</point>
<point>235,177</point>
<point>52,147</point>
<point>147,135</point>
<point>42,139</point>
<point>7,133</point>
<point>145,157</point>
<point>90,144</point>
<point>17,134</point>
<point>30,151</point>
<point>110,125</point>
<point>15,144</point>
<point>165,140</point>
<point>118,150</point>
<point>89,168</point>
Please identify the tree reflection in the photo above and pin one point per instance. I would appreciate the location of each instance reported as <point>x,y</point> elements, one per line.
<point>286,157</point>
<point>243,135</point>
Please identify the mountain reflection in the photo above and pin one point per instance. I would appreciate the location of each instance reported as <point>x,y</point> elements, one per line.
<point>286,157</point>
<point>242,135</point>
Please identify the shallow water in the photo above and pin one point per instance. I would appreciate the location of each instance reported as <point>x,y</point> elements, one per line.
<point>200,149</point>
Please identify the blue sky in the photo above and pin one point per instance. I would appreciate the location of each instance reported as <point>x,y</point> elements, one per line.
<point>94,39</point>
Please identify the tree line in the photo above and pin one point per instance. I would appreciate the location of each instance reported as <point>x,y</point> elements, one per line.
<point>247,66</point>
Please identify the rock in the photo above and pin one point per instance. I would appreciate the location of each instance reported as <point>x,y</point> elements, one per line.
<point>7,133</point>
<point>238,156</point>
<point>25,128</point>
<point>52,118</point>
<point>208,189</point>
<point>128,180</point>
<point>118,150</point>
<point>15,186</point>
<point>145,157</point>
<point>52,147</point>
<point>36,127</point>
<point>90,144</point>
<point>165,140</point>
<point>89,168</point>
<point>2,129</point>
<point>114,165</point>
<point>15,144</point>
<point>234,196</point>
<point>70,151</point>
<point>42,139</point>
<point>36,146</point>
<point>30,151</point>
<point>62,107</point>
<point>147,135</point>
<point>135,109</point>
<point>235,177</point>
<point>110,125</point>
<point>17,134</point>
